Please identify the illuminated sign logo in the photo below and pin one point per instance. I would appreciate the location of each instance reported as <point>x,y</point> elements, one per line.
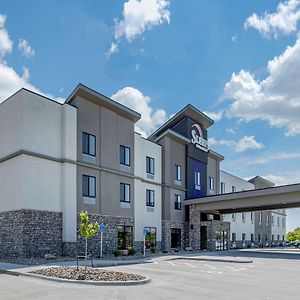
<point>198,138</point>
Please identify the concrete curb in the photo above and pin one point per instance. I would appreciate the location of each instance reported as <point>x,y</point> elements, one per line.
<point>88,282</point>
<point>215,260</point>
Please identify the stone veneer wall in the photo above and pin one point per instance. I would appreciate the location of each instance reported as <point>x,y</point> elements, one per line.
<point>193,230</point>
<point>212,228</point>
<point>110,236</point>
<point>30,233</point>
<point>166,234</point>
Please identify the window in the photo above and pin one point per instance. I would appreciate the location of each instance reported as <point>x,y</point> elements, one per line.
<point>278,223</point>
<point>272,220</point>
<point>259,238</point>
<point>177,202</point>
<point>211,183</point>
<point>150,238</point>
<point>178,172</point>
<point>125,192</point>
<point>124,155</point>
<point>268,217</point>
<point>88,144</point>
<point>150,198</point>
<point>233,216</point>
<point>283,238</point>
<point>222,187</point>
<point>272,237</point>
<point>197,180</point>
<point>243,217</point>
<point>233,189</point>
<point>260,217</point>
<point>251,216</point>
<point>278,238</point>
<point>125,237</point>
<point>252,237</point>
<point>283,223</point>
<point>149,165</point>
<point>88,186</point>
<point>244,237</point>
<point>233,237</point>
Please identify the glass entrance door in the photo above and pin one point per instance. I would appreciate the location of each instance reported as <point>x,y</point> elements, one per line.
<point>221,240</point>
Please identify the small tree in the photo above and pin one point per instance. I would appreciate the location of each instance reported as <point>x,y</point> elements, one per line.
<point>87,229</point>
<point>293,236</point>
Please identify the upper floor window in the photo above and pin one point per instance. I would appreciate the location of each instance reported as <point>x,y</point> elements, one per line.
<point>125,192</point>
<point>251,216</point>
<point>149,165</point>
<point>260,217</point>
<point>233,189</point>
<point>197,180</point>
<point>222,187</point>
<point>233,216</point>
<point>150,198</point>
<point>278,223</point>
<point>177,202</point>
<point>124,155</point>
<point>211,183</point>
<point>243,217</point>
<point>88,144</point>
<point>178,172</point>
<point>88,186</point>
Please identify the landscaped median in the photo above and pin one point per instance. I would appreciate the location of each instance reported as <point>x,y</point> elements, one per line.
<point>87,275</point>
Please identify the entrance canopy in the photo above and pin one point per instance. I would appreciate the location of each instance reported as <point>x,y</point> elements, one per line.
<point>285,196</point>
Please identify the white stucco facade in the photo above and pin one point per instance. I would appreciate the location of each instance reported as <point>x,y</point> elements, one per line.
<point>240,223</point>
<point>37,152</point>
<point>278,229</point>
<point>144,215</point>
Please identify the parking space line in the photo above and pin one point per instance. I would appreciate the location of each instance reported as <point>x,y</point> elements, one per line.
<point>192,266</point>
<point>170,263</point>
<point>211,267</point>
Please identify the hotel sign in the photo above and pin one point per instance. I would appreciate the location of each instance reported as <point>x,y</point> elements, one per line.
<point>198,138</point>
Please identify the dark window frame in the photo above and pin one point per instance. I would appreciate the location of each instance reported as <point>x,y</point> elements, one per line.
<point>178,204</point>
<point>123,155</point>
<point>89,152</point>
<point>148,198</point>
<point>177,174</point>
<point>124,193</point>
<point>211,183</point>
<point>223,187</point>
<point>148,237</point>
<point>148,165</point>
<point>88,186</point>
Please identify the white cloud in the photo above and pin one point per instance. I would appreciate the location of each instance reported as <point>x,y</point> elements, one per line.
<point>233,38</point>
<point>286,178</point>
<point>10,80</point>
<point>134,99</point>
<point>230,130</point>
<point>276,99</point>
<point>245,143</point>
<point>141,15</point>
<point>6,43</point>
<point>112,50</point>
<point>25,48</point>
<point>282,22</point>
<point>216,116</point>
<point>265,159</point>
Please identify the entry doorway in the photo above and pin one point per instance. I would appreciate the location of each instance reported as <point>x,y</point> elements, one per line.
<point>203,237</point>
<point>175,238</point>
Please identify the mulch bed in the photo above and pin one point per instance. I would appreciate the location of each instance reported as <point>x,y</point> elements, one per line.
<point>87,273</point>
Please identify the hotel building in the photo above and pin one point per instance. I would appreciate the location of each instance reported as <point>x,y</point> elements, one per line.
<point>59,159</point>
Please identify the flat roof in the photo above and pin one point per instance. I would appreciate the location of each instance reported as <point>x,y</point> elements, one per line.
<point>94,96</point>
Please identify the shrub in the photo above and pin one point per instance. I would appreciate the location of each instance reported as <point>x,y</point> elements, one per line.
<point>153,250</point>
<point>116,253</point>
<point>131,251</point>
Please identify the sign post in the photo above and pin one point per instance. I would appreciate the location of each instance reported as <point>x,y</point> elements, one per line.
<point>145,232</point>
<point>102,228</point>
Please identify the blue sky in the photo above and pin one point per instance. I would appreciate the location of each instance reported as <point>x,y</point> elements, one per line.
<point>239,61</point>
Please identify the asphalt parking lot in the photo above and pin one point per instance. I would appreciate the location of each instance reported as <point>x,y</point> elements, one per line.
<point>268,277</point>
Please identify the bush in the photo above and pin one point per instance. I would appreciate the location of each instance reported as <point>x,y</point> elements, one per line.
<point>153,250</point>
<point>131,251</point>
<point>116,253</point>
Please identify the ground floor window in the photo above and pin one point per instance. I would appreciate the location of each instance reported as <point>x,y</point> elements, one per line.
<point>125,237</point>
<point>150,238</point>
<point>175,238</point>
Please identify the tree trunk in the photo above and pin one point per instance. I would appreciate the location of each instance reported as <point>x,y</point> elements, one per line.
<point>86,249</point>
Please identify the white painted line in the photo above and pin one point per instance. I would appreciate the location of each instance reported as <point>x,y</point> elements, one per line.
<point>211,267</point>
<point>214,272</point>
<point>170,263</point>
<point>155,262</point>
<point>189,265</point>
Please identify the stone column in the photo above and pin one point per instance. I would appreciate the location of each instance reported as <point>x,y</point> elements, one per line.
<point>194,228</point>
